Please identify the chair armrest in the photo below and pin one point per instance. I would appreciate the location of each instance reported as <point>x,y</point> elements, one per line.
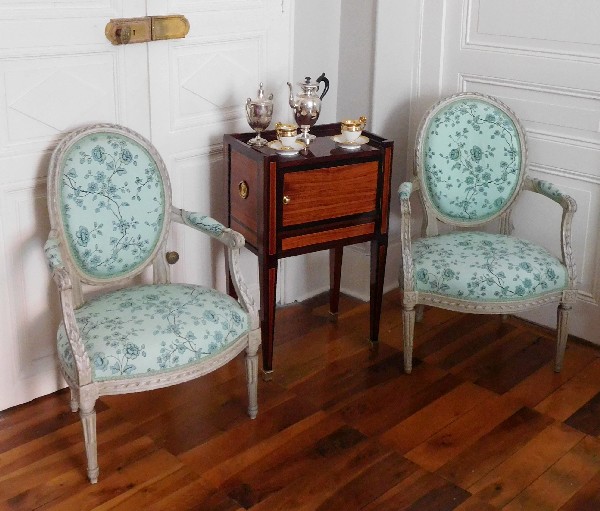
<point>233,240</point>
<point>210,226</point>
<point>61,276</point>
<point>406,271</point>
<point>569,207</point>
<point>552,192</point>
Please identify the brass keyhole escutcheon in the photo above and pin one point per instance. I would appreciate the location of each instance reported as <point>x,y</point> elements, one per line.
<point>286,200</point>
<point>172,257</point>
<point>243,189</point>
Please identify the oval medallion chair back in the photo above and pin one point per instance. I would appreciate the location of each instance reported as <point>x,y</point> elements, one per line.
<point>470,167</point>
<point>109,200</point>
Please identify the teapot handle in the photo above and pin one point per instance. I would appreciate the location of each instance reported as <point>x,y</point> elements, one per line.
<point>323,78</point>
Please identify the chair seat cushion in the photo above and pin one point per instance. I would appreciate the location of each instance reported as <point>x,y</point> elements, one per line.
<point>485,267</point>
<point>153,329</point>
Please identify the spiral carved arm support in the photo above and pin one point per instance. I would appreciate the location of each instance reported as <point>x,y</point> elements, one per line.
<point>61,276</point>
<point>569,207</point>
<point>233,240</point>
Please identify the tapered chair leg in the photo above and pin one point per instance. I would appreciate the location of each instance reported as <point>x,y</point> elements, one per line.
<point>562,334</point>
<point>408,331</point>
<point>87,413</point>
<point>252,372</point>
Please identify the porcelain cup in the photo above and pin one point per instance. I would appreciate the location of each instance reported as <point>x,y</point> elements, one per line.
<point>286,134</point>
<point>351,129</point>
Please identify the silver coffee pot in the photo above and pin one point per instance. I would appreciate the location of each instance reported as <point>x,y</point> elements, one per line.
<point>307,105</point>
<point>259,113</point>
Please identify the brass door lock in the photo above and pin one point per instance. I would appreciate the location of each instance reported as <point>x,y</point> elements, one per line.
<point>148,28</point>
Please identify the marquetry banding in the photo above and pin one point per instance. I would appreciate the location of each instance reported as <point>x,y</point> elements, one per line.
<point>326,236</point>
<point>272,208</point>
<point>385,195</point>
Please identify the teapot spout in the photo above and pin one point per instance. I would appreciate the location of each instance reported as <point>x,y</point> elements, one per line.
<point>291,99</point>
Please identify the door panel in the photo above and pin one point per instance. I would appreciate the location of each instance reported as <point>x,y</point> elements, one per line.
<point>329,193</point>
<point>58,72</point>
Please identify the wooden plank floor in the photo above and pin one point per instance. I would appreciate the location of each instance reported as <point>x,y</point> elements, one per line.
<point>482,424</point>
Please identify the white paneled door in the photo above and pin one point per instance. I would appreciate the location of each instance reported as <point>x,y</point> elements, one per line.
<point>58,72</point>
<point>542,58</point>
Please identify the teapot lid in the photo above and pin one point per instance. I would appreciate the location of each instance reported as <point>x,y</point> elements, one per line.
<point>307,84</point>
<point>261,97</point>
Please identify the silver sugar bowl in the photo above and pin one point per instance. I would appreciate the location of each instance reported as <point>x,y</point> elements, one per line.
<point>259,113</point>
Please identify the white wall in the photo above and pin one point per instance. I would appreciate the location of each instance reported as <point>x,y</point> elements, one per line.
<point>316,50</point>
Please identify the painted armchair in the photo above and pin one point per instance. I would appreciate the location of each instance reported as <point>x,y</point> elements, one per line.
<point>109,199</point>
<point>470,166</point>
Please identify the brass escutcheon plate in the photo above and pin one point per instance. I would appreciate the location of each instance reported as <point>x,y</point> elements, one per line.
<point>243,189</point>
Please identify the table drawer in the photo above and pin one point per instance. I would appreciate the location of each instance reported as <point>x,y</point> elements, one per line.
<point>322,194</point>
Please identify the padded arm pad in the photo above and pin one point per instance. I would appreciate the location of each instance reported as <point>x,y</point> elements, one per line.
<point>210,226</point>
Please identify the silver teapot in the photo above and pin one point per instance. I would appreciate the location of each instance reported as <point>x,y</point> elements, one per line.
<point>307,105</point>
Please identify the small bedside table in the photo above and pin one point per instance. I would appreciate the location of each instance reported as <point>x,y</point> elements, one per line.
<point>324,197</point>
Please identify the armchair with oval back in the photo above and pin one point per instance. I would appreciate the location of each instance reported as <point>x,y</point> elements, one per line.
<point>109,199</point>
<point>470,167</point>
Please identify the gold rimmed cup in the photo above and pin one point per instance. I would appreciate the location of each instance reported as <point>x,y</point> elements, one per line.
<point>286,134</point>
<point>351,129</point>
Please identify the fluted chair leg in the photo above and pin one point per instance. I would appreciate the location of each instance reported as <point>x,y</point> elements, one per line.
<point>408,331</point>
<point>562,334</point>
<point>87,413</point>
<point>252,372</point>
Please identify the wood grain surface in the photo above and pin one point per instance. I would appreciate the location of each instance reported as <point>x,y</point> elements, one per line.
<point>482,424</point>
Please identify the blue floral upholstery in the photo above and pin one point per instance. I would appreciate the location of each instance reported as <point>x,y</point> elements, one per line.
<point>485,267</point>
<point>471,156</point>
<point>203,223</point>
<point>152,329</point>
<point>112,204</point>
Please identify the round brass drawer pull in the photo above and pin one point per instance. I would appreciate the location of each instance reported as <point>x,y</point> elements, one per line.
<point>172,257</point>
<point>243,189</point>
<point>286,199</point>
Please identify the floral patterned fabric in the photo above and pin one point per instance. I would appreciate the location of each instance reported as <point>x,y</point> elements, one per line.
<point>112,203</point>
<point>154,328</point>
<point>203,223</point>
<point>485,267</point>
<point>471,160</point>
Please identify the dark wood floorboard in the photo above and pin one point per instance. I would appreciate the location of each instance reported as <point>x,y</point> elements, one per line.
<point>482,424</point>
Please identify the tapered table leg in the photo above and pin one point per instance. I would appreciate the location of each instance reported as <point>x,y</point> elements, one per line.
<point>378,258</point>
<point>267,274</point>
<point>335,273</point>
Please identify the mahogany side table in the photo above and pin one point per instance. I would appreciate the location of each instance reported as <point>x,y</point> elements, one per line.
<point>325,197</point>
